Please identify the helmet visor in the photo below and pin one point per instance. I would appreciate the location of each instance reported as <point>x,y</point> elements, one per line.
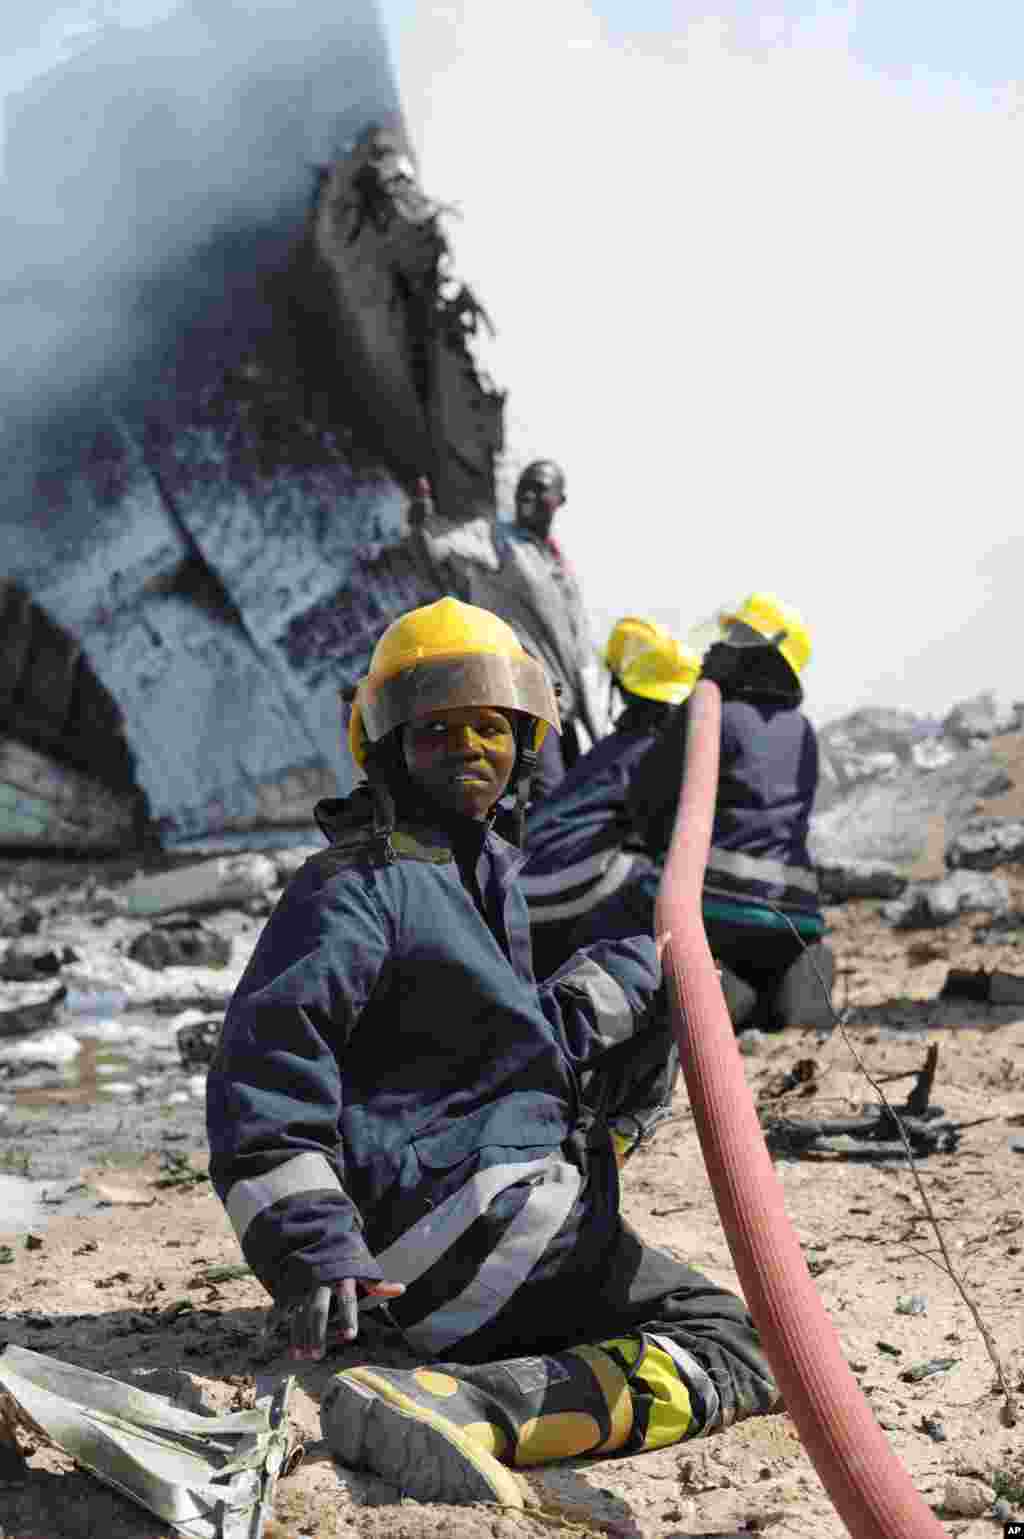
<point>453,683</point>
<point>737,633</point>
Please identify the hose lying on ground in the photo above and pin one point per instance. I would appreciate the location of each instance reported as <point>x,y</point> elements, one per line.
<point>872,1492</point>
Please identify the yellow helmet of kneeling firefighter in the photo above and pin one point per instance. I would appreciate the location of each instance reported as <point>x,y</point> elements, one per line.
<point>446,656</point>
<point>776,621</point>
<point>629,636</point>
<point>665,671</point>
<point>647,660</point>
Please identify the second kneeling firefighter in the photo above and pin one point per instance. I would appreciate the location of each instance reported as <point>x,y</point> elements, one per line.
<point>396,1116</point>
<point>761,905</point>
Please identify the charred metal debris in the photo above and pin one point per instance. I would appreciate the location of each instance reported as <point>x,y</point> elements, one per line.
<point>875,1131</point>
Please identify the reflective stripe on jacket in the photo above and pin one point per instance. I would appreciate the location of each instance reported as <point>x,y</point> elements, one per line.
<point>574,838</point>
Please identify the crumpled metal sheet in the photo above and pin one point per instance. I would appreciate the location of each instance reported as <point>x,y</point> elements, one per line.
<point>209,1477</point>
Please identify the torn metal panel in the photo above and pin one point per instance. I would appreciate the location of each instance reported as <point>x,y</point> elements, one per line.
<point>233,346</point>
<point>216,742</point>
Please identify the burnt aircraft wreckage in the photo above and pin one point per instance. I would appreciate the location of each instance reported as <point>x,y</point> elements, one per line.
<point>233,345</point>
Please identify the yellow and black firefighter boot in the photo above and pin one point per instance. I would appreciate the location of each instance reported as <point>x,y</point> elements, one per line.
<point>448,1433</point>
<point>673,1399</point>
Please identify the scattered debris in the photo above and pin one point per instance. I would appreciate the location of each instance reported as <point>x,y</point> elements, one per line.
<point>996,988</point>
<point>803,1076</point>
<point>934,1428</point>
<point>841,880</point>
<point>178,1170</point>
<point>984,843</point>
<point>25,1018</point>
<point>981,716</point>
<point>925,1370</point>
<point>16,920</point>
<point>888,1348</point>
<point>27,961</point>
<point>181,942</point>
<point>926,905</point>
<point>1003,930</point>
<point>912,1304</point>
<point>198,1041</point>
<point>225,882</point>
<point>967,1498</point>
<point>875,1132</point>
<point>920,953</point>
<point>113,1280</point>
<point>220,1274</point>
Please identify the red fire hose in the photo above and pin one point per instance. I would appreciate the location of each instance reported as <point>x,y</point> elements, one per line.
<point>871,1490</point>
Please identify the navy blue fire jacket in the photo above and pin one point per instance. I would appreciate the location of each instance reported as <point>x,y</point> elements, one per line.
<point>767,782</point>
<point>574,837</point>
<point>394,1097</point>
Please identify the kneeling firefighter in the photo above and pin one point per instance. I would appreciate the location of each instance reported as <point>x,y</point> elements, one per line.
<point>396,1123</point>
<point>579,862</point>
<point>575,838</point>
<point>760,904</point>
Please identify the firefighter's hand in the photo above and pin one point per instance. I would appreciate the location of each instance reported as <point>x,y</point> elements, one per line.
<point>661,942</point>
<point>309,1318</point>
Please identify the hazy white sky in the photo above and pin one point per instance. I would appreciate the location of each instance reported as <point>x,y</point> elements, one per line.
<point>756,272</point>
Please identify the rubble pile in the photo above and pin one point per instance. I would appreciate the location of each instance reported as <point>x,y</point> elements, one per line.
<point>117,990</point>
<point>900,791</point>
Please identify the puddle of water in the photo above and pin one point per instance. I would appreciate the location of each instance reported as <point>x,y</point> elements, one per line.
<point>28,1205</point>
<point>79,1081</point>
<point>87,1057</point>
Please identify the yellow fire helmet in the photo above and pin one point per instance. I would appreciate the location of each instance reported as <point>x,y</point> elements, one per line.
<point>774,620</point>
<point>666,670</point>
<point>629,636</point>
<point>442,657</point>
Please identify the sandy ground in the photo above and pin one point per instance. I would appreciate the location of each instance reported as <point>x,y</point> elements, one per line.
<point>121,1289</point>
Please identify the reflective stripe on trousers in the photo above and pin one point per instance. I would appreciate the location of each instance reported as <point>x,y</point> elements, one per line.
<point>555,1185</point>
<point>760,868</point>
<point>554,1189</point>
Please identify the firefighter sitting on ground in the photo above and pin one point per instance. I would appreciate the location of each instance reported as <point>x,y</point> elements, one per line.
<point>761,907</point>
<point>577,859</point>
<point>395,1116</point>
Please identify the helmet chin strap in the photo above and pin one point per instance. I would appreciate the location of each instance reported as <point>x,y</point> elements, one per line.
<point>522,777</point>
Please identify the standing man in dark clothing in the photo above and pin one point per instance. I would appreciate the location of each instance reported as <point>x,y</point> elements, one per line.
<point>518,571</point>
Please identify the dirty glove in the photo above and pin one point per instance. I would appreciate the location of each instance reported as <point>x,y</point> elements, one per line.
<point>309,1315</point>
